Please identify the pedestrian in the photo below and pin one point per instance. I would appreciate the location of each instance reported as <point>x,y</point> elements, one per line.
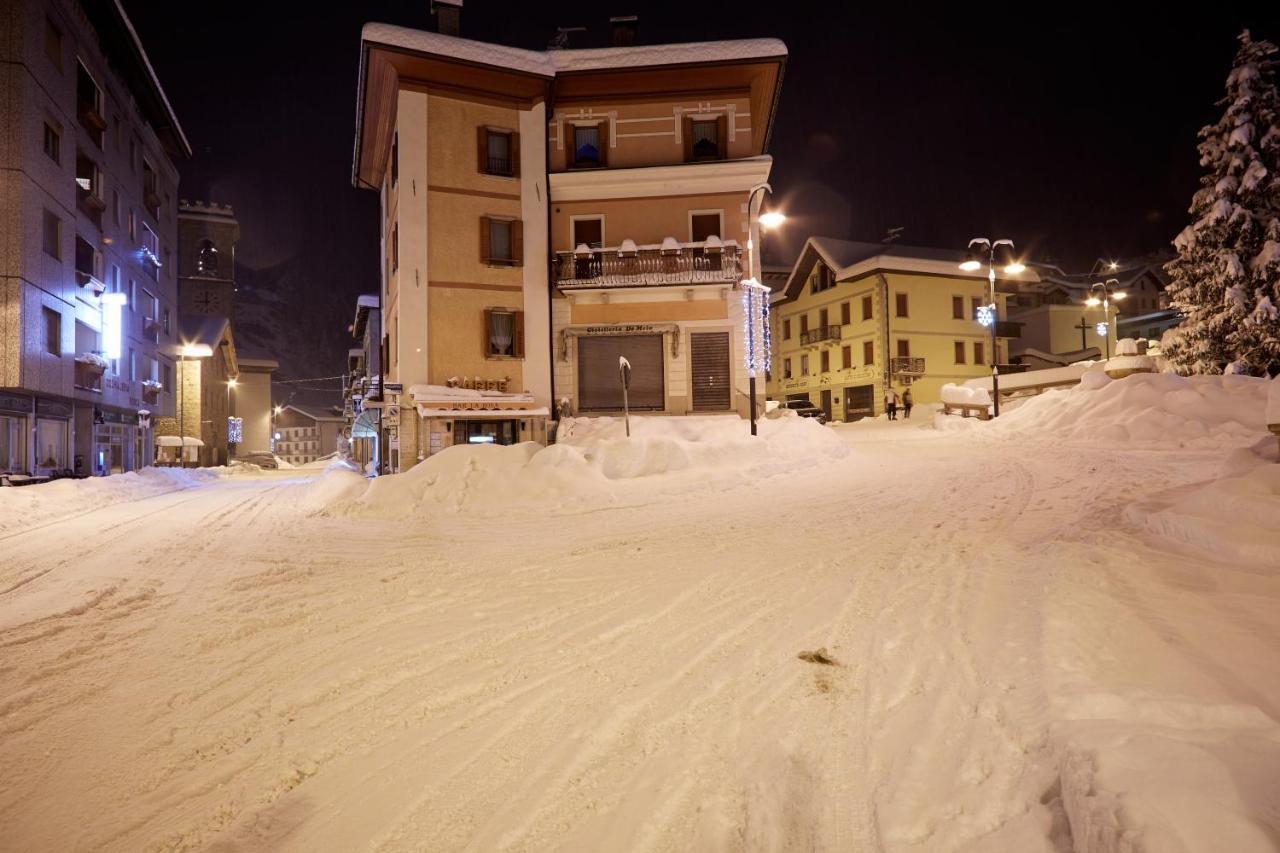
<point>907,402</point>
<point>891,403</point>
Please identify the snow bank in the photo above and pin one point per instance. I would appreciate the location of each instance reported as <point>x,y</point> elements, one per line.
<point>1273,402</point>
<point>28,506</point>
<point>1143,410</point>
<point>594,464</point>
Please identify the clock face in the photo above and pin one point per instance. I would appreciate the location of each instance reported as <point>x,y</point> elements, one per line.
<point>209,300</point>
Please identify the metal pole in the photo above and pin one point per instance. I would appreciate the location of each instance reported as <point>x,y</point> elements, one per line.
<point>995,346</point>
<point>182,412</point>
<point>753,272</point>
<point>1106,315</point>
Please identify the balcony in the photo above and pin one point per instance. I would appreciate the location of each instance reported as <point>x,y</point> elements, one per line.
<point>89,370</point>
<point>87,112</point>
<point>500,166</point>
<point>906,366</point>
<point>820,334</point>
<point>150,391</point>
<point>669,264</point>
<point>1008,329</point>
<point>89,282</point>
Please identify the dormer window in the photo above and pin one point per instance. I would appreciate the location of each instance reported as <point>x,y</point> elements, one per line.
<point>588,145</point>
<point>705,139</point>
<point>207,258</point>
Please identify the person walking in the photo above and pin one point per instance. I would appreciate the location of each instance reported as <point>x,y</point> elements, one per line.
<point>891,403</point>
<point>907,402</point>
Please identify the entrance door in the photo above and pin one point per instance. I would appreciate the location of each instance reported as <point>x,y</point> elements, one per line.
<point>859,402</point>
<point>709,353</point>
<point>826,402</point>
<point>600,389</point>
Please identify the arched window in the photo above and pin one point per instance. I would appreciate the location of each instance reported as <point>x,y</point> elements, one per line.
<point>207,258</point>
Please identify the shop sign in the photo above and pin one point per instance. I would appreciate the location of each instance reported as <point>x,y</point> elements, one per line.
<point>620,329</point>
<point>394,387</point>
<point>391,416</point>
<point>15,403</point>
<point>52,408</point>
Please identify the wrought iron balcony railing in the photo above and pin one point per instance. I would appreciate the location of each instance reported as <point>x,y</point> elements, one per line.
<point>906,366</point>
<point>669,264</point>
<point>820,334</point>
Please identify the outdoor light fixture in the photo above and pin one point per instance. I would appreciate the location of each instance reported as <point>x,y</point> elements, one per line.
<point>111,325</point>
<point>998,253</point>
<point>755,296</point>
<point>1108,292</point>
<point>772,219</point>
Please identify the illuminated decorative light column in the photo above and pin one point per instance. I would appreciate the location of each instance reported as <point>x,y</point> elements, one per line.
<point>757,349</point>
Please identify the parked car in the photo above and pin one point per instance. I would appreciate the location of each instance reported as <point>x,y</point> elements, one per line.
<point>805,409</point>
<point>261,458</point>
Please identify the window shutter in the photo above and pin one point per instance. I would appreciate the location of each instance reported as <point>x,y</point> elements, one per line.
<point>602,142</point>
<point>688,138</point>
<point>515,154</point>
<point>722,137</point>
<point>517,348</point>
<point>482,150</point>
<point>517,243</point>
<point>486,332</point>
<point>484,239</point>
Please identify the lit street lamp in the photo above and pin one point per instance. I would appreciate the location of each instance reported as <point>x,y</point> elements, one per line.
<point>755,295</point>
<point>997,253</point>
<point>1109,293</point>
<point>185,352</point>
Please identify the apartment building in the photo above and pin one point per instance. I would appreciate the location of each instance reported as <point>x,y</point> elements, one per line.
<point>88,172</point>
<point>305,433</point>
<point>546,212</point>
<point>362,385</point>
<point>857,318</point>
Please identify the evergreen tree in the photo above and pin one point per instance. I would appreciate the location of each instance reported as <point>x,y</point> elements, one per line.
<point>1226,277</point>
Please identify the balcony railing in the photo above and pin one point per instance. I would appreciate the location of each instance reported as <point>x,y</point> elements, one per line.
<point>498,166</point>
<point>1008,329</point>
<point>89,282</point>
<point>822,333</point>
<point>671,263</point>
<point>905,366</point>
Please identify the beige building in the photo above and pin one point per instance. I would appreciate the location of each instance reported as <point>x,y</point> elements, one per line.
<point>547,212</point>
<point>88,170</point>
<point>205,388</point>
<point>251,403</point>
<point>857,318</point>
<point>306,433</point>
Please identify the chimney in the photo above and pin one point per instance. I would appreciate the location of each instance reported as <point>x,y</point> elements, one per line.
<point>448,14</point>
<point>622,30</point>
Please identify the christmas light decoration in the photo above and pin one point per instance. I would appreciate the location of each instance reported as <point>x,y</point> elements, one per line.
<point>235,430</point>
<point>1101,329</point>
<point>757,348</point>
<point>986,315</point>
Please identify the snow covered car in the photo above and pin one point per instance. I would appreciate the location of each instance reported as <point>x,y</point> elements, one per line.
<point>805,409</point>
<point>263,459</point>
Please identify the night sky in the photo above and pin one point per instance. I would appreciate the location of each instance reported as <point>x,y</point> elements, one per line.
<point>1075,138</point>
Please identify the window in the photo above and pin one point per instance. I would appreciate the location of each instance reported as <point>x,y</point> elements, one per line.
<point>166,380</point>
<point>501,241</point>
<point>868,353</point>
<point>89,188</point>
<point>904,349</point>
<point>504,333</point>
<point>957,307</point>
<point>588,231</point>
<point>900,301</point>
<point>588,145</point>
<point>52,143</point>
<point>804,365</point>
<point>845,314</point>
<point>207,258</point>
<point>786,368</point>
<point>52,332</point>
<point>499,152</point>
<point>53,42</point>
<point>979,353</point>
<point>786,330</point>
<point>150,189</point>
<point>395,247</point>
<point>846,356</point>
<point>825,360</point>
<point>51,443</point>
<point>804,323</point>
<point>52,235</point>
<point>86,261</point>
<point>133,294</point>
<point>704,139</point>
<point>975,304</point>
<point>704,225</point>
<point>395,159</point>
<point>823,318</point>
<point>866,307</point>
<point>959,347</point>
<point>133,225</point>
<point>89,104</point>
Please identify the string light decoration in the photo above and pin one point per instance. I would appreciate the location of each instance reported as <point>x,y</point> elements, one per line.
<point>757,346</point>
<point>235,430</point>
<point>986,315</point>
<point>1101,329</point>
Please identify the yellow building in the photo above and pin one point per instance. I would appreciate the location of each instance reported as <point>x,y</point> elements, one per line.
<point>547,212</point>
<point>857,318</point>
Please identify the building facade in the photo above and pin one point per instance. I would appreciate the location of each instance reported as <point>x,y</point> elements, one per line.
<point>206,382</point>
<point>88,296</point>
<point>306,433</point>
<point>545,213</point>
<point>857,318</point>
<point>362,386</point>
<point>251,404</point>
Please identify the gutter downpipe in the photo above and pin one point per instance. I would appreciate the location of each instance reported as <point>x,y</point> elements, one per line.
<point>884,301</point>
<point>550,267</point>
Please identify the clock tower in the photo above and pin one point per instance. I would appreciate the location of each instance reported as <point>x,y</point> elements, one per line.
<point>207,235</point>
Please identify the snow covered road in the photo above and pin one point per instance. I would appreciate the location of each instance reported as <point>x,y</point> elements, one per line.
<point>219,668</point>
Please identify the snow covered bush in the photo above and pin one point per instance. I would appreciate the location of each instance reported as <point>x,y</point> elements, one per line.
<point>1226,277</point>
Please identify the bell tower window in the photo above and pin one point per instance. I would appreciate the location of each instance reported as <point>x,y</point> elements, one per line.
<point>207,258</point>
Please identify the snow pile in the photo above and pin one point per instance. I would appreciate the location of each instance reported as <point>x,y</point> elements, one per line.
<point>27,506</point>
<point>1273,402</point>
<point>595,464</point>
<point>966,395</point>
<point>1143,410</point>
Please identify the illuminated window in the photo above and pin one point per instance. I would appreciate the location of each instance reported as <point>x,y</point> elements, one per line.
<point>207,258</point>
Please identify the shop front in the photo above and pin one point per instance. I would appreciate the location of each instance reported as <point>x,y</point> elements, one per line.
<point>53,436</point>
<point>118,442</point>
<point>15,420</point>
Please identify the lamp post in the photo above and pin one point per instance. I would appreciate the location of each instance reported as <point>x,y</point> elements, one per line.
<point>980,249</point>
<point>231,412</point>
<point>755,295</point>
<point>184,352</point>
<point>1109,293</point>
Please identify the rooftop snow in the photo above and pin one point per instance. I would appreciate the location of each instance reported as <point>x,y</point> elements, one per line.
<point>548,63</point>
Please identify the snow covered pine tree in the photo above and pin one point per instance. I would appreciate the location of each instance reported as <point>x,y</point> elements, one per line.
<point>1226,277</point>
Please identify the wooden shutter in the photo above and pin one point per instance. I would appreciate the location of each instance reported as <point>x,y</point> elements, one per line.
<point>688,139</point>
<point>602,142</point>
<point>722,137</point>
<point>868,352</point>
<point>484,239</point>
<point>844,313</point>
<point>846,356</point>
<point>517,243</point>
<point>514,148</point>
<point>517,334</point>
<point>486,332</point>
<point>482,150</point>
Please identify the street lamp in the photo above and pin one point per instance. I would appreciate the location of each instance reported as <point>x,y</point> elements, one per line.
<point>755,295</point>
<point>185,352</point>
<point>231,412</point>
<point>1109,293</point>
<point>997,253</point>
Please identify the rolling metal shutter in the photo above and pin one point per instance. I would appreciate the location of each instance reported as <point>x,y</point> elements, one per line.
<point>599,389</point>
<point>709,352</point>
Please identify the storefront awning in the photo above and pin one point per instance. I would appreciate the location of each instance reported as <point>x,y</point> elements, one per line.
<point>365,426</point>
<point>173,441</point>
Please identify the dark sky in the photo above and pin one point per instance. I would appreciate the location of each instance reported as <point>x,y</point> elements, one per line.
<point>1074,136</point>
